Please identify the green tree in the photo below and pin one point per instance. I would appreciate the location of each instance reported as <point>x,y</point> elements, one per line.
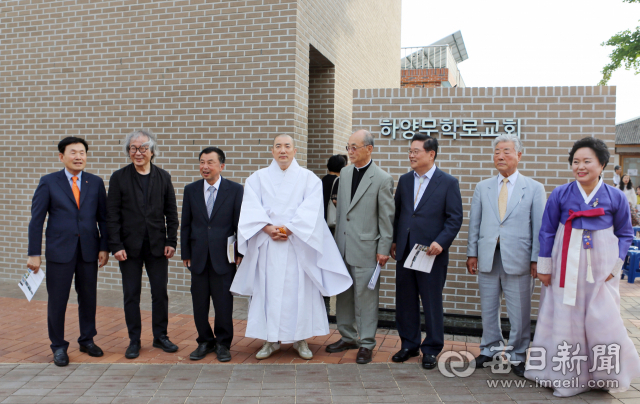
<point>627,51</point>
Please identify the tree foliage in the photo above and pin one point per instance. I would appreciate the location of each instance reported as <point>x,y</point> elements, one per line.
<point>627,51</point>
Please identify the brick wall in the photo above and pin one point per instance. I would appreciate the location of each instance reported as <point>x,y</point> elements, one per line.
<point>197,73</point>
<point>552,119</point>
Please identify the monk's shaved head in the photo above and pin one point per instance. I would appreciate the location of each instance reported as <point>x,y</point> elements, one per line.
<point>290,140</point>
<point>283,150</point>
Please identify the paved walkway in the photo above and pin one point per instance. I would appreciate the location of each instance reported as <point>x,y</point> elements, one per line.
<point>27,375</point>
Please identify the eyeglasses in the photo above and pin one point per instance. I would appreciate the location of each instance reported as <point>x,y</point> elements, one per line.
<point>353,148</point>
<point>142,149</point>
<point>414,152</point>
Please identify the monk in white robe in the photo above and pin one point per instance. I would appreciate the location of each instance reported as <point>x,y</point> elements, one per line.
<point>290,258</point>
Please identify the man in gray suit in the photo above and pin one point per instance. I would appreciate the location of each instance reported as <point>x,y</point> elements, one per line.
<point>506,212</point>
<point>364,233</point>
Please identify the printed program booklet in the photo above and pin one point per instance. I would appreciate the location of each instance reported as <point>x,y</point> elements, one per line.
<point>30,282</point>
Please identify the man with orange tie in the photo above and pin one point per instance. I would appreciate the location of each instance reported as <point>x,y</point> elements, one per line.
<point>76,244</point>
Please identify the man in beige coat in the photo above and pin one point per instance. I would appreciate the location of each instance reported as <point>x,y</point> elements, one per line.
<point>364,233</point>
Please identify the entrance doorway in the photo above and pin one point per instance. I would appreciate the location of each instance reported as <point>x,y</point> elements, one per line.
<point>631,165</point>
<point>321,112</point>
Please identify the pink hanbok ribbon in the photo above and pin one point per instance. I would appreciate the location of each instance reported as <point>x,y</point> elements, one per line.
<point>567,236</point>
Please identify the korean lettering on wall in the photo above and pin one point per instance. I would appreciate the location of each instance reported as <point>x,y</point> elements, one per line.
<point>458,128</point>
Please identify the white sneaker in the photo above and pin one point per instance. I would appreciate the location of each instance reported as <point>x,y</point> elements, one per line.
<point>303,349</point>
<point>268,348</point>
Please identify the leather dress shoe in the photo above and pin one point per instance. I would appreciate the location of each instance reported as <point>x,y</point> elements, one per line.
<point>364,356</point>
<point>60,357</point>
<point>223,353</point>
<point>481,360</point>
<point>518,370</point>
<point>133,351</point>
<point>340,346</point>
<point>164,344</point>
<point>429,361</point>
<point>202,350</point>
<point>92,349</point>
<point>405,354</point>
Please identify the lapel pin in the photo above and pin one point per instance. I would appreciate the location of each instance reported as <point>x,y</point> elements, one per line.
<point>595,203</point>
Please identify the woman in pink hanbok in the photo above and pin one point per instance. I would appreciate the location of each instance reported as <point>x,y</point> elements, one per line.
<point>580,340</point>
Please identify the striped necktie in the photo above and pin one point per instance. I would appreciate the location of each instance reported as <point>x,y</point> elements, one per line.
<point>210,200</point>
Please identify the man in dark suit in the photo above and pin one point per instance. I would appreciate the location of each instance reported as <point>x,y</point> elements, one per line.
<point>429,213</point>
<point>210,213</point>
<point>141,199</point>
<point>76,202</point>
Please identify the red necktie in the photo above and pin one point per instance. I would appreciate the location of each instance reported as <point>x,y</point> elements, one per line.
<point>567,236</point>
<point>76,190</point>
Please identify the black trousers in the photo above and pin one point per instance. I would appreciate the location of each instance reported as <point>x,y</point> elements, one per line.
<point>157,271</point>
<point>59,278</point>
<point>411,286</point>
<point>211,285</point>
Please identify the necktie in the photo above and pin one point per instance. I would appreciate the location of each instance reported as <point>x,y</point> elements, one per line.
<point>76,190</point>
<point>210,200</point>
<point>503,198</point>
<point>415,200</point>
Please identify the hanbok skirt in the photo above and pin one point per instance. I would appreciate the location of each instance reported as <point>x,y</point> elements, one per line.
<point>577,348</point>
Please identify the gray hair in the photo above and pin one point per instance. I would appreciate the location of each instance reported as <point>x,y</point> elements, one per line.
<point>368,138</point>
<point>517,143</point>
<point>152,143</point>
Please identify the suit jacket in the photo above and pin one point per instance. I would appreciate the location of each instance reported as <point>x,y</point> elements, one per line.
<point>518,231</point>
<point>438,216</point>
<point>66,222</point>
<point>364,224</point>
<point>200,235</point>
<point>129,215</point>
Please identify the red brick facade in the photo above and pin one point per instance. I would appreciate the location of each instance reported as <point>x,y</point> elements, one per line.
<point>425,78</point>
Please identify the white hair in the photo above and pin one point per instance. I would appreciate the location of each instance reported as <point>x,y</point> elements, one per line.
<point>152,143</point>
<point>517,143</point>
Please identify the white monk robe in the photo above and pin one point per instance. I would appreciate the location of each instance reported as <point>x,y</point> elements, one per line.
<point>287,279</point>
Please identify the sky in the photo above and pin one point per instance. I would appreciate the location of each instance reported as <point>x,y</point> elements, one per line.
<point>515,43</point>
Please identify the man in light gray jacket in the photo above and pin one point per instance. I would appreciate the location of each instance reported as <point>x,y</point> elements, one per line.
<point>364,233</point>
<point>506,213</point>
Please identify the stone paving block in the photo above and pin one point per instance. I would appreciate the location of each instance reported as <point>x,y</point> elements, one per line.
<point>204,400</point>
<point>130,400</point>
<point>349,399</point>
<point>137,393</point>
<point>22,399</point>
<point>58,399</point>
<point>207,393</point>
<point>386,399</point>
<point>421,398</point>
<point>93,400</point>
<point>240,400</point>
<point>277,400</point>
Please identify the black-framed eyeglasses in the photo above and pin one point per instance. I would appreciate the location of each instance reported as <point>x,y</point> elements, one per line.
<point>353,148</point>
<point>142,149</point>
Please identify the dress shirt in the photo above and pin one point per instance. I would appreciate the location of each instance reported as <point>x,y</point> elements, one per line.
<point>510,185</point>
<point>417,188</point>
<point>211,188</point>
<point>616,179</point>
<point>358,173</point>
<point>70,176</point>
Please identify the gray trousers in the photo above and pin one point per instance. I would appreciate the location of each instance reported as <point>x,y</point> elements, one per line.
<point>357,309</point>
<point>517,291</point>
